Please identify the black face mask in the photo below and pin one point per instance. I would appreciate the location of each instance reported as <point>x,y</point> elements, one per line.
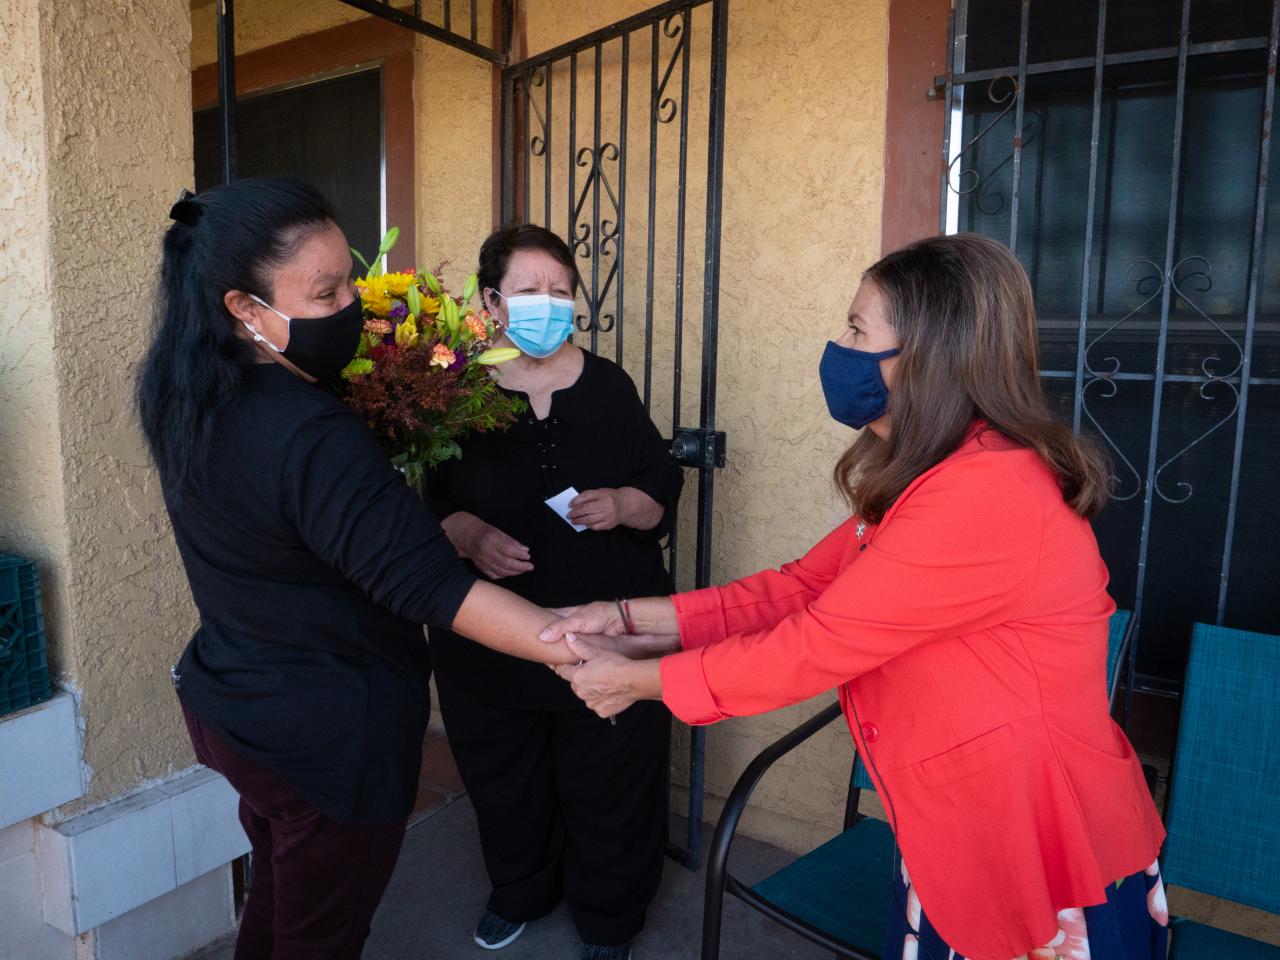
<point>319,346</point>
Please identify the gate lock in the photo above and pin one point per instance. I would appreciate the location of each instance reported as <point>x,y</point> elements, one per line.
<point>698,447</point>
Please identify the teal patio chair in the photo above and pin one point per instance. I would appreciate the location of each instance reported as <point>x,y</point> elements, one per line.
<point>837,895</point>
<point>1223,813</point>
<point>1118,638</point>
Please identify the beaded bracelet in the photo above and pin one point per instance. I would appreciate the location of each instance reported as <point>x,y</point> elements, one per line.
<point>624,610</point>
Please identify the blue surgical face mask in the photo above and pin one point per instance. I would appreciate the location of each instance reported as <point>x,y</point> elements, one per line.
<point>851,381</point>
<point>538,323</point>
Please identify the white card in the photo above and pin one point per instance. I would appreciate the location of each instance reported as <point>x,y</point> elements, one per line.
<point>560,504</point>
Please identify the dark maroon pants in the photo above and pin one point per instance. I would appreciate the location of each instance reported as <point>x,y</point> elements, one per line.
<point>316,882</point>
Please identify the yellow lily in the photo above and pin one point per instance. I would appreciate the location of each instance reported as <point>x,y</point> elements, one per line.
<point>407,333</point>
<point>497,355</point>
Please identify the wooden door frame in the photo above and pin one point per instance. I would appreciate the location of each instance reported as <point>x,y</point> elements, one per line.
<point>913,161</point>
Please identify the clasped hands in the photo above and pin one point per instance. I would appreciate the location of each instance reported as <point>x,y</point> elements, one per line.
<point>616,668</point>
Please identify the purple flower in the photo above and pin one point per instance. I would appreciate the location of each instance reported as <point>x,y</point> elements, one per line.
<point>399,311</point>
<point>461,356</point>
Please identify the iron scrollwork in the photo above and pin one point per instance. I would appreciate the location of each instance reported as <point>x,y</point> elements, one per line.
<point>1203,275</point>
<point>604,241</point>
<point>1150,282</point>
<point>666,108</point>
<point>987,199</point>
<point>1148,286</point>
<point>1009,99</point>
<point>538,140</point>
<point>597,237</point>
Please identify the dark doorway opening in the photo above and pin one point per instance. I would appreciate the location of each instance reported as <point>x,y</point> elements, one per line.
<point>328,133</point>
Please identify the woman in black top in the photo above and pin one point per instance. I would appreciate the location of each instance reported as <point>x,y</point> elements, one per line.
<point>569,806</point>
<point>312,564</point>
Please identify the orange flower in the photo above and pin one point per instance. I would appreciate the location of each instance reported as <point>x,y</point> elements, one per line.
<point>442,356</point>
<point>479,329</point>
<point>377,326</point>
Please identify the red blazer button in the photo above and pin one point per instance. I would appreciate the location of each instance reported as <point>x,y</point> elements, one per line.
<point>870,732</point>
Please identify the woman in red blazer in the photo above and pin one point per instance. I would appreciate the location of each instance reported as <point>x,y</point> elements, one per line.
<point>961,613</point>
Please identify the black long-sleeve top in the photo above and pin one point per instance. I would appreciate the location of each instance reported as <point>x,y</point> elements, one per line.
<point>596,434</point>
<point>313,566</point>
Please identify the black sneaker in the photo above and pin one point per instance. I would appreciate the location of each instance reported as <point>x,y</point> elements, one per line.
<point>596,951</point>
<point>494,933</point>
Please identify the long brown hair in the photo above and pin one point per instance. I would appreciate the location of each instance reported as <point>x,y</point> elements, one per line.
<point>963,308</point>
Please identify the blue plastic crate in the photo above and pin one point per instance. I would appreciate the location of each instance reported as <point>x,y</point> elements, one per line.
<point>24,667</point>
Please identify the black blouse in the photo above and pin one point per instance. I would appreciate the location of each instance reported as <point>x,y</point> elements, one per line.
<point>596,434</point>
<point>313,566</point>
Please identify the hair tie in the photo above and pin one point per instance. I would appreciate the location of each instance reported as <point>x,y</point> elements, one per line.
<point>185,209</point>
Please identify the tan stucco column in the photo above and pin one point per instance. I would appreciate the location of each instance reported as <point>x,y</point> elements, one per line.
<point>95,140</point>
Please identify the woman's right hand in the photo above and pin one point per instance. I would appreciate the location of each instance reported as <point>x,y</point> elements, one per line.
<point>653,618</point>
<point>601,617</point>
<point>607,682</point>
<point>495,554</point>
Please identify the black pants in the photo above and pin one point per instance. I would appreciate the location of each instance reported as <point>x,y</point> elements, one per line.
<point>569,807</point>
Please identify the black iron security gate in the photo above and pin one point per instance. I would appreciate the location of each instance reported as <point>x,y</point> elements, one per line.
<point>656,79</point>
<point>1122,148</point>
<point>615,141</point>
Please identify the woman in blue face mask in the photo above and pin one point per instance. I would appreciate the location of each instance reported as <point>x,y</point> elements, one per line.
<point>570,807</point>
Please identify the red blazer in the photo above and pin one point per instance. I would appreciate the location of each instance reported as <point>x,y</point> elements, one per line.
<point>967,635</point>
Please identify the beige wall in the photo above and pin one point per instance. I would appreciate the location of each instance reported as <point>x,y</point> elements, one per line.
<point>98,141</point>
<point>452,92</point>
<point>804,147</point>
<point>31,464</point>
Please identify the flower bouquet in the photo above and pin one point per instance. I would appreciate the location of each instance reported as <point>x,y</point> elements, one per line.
<point>422,375</point>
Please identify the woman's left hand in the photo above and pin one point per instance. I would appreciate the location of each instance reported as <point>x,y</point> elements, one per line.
<point>601,509</point>
<point>607,507</point>
<point>607,681</point>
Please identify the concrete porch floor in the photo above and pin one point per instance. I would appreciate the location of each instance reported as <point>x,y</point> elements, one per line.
<point>439,888</point>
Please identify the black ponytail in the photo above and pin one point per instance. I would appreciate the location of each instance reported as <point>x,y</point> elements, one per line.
<point>230,237</point>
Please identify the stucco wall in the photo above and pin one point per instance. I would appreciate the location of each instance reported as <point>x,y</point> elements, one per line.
<point>34,518</point>
<point>804,146</point>
<point>101,132</point>
<point>452,93</point>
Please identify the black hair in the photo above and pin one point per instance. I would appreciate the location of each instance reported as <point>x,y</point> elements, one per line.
<point>230,237</point>
<point>496,251</point>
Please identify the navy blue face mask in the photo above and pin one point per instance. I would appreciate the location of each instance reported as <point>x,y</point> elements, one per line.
<point>852,384</point>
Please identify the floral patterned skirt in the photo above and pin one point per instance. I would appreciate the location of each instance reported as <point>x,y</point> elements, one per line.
<point>1131,925</point>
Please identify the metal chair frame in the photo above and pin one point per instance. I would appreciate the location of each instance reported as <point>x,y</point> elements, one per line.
<point>720,881</point>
